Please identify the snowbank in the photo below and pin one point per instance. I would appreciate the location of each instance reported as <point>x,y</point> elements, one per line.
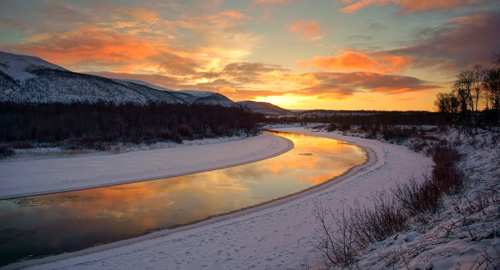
<point>278,235</point>
<point>28,177</point>
<point>463,233</point>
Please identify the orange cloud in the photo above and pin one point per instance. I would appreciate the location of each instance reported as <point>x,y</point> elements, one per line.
<point>139,40</point>
<point>351,60</point>
<point>303,90</point>
<point>233,14</point>
<point>142,14</point>
<point>93,49</point>
<point>308,29</point>
<point>416,6</point>
<point>238,95</point>
<point>89,44</point>
<point>353,6</point>
<point>340,85</point>
<point>407,6</point>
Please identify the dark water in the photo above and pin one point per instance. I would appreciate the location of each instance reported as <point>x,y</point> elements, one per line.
<point>50,224</point>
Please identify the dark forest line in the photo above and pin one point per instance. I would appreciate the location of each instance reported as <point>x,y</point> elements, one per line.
<point>88,124</point>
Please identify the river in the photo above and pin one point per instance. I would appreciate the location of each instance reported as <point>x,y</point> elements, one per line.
<point>38,226</point>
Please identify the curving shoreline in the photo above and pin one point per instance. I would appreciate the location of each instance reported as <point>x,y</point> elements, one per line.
<point>155,241</point>
<point>371,159</point>
<point>21,178</point>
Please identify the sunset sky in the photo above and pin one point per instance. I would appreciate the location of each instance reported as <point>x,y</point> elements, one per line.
<point>329,54</point>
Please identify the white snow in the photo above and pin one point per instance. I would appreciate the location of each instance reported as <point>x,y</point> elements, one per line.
<point>463,234</point>
<point>44,151</point>
<point>38,176</point>
<point>18,66</point>
<point>197,93</point>
<point>70,87</point>
<point>278,235</point>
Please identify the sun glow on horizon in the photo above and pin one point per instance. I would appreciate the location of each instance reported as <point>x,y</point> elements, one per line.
<point>288,53</point>
<point>288,101</point>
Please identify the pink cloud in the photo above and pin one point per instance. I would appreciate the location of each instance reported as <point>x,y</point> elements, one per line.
<point>234,14</point>
<point>463,41</point>
<point>407,6</point>
<point>308,29</point>
<point>344,84</point>
<point>351,60</point>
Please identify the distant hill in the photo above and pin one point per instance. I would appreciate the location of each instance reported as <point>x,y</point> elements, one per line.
<point>33,80</point>
<point>263,108</point>
<point>330,113</point>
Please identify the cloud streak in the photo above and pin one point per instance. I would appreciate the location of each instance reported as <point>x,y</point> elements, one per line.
<point>140,40</point>
<point>406,6</point>
<point>244,49</point>
<point>352,60</point>
<point>308,29</point>
<point>251,80</point>
<point>461,42</point>
<point>340,85</point>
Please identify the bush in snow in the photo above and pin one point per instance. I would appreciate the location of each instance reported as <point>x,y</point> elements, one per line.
<point>5,151</point>
<point>345,234</point>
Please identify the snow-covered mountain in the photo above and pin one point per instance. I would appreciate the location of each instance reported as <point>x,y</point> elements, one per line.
<point>31,79</point>
<point>263,108</point>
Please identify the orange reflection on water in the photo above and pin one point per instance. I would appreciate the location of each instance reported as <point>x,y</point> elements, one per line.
<point>123,211</point>
<point>312,161</point>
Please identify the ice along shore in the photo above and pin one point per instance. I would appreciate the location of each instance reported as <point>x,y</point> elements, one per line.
<point>276,235</point>
<point>21,178</point>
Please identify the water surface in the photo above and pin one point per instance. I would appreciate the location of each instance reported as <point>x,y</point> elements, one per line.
<point>50,224</point>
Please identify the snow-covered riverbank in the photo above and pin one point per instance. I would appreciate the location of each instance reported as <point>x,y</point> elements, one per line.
<point>279,235</point>
<point>39,176</point>
<point>463,232</point>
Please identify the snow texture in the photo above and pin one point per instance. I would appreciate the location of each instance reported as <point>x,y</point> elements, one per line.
<point>39,176</point>
<point>19,66</point>
<point>277,235</point>
<point>27,79</point>
<point>464,233</point>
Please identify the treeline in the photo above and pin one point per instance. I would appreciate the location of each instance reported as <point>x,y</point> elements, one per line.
<point>474,99</point>
<point>367,119</point>
<point>103,122</point>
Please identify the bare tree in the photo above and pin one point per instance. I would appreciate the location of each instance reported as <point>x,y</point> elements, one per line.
<point>447,103</point>
<point>478,76</point>
<point>463,87</point>
<point>337,243</point>
<point>492,86</point>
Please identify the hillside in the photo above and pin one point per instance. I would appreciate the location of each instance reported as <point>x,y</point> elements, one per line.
<point>33,80</point>
<point>263,108</point>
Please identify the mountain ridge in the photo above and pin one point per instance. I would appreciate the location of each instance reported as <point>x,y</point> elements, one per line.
<point>263,107</point>
<point>31,79</point>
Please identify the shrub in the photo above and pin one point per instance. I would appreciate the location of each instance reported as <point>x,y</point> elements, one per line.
<point>331,127</point>
<point>396,133</point>
<point>445,175</point>
<point>345,127</point>
<point>353,231</point>
<point>22,145</point>
<point>376,223</point>
<point>338,243</point>
<point>417,198</point>
<point>6,152</point>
